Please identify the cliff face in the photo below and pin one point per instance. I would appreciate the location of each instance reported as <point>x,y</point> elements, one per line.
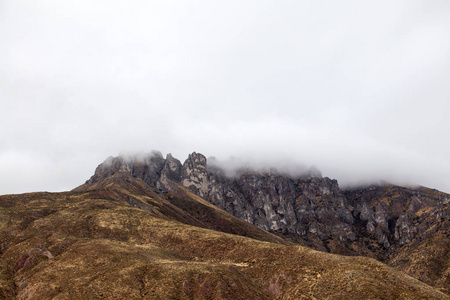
<point>375,221</point>
<point>298,207</point>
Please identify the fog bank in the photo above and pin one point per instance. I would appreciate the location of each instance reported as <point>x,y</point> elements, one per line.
<point>359,90</point>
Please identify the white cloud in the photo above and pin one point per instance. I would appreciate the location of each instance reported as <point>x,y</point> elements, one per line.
<point>358,89</point>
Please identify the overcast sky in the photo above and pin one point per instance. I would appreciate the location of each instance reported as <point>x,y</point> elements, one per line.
<point>360,89</point>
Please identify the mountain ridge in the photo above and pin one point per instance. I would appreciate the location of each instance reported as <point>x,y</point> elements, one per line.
<point>121,238</point>
<point>380,222</point>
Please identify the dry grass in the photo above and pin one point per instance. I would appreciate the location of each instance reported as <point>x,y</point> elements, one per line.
<point>429,260</point>
<point>96,245</point>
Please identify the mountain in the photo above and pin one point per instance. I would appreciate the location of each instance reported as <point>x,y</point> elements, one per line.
<point>153,228</point>
<point>384,222</point>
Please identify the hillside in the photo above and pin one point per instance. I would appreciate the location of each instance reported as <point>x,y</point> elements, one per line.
<point>120,240</point>
<point>385,222</point>
<point>154,228</point>
<point>413,223</point>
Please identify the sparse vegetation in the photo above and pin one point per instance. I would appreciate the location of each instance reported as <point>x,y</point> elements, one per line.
<point>96,245</point>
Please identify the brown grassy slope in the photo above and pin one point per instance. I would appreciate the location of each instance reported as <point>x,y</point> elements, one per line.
<point>427,259</point>
<point>95,245</point>
<point>427,255</point>
<point>180,205</point>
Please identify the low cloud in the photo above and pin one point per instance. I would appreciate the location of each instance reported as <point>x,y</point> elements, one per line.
<point>358,90</point>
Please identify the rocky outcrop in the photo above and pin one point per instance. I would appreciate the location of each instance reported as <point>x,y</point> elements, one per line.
<point>194,174</point>
<point>170,173</point>
<point>397,215</point>
<point>303,206</point>
<point>146,167</point>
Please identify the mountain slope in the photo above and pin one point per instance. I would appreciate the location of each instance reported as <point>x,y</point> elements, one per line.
<point>415,222</point>
<point>384,222</point>
<point>179,205</point>
<point>119,239</point>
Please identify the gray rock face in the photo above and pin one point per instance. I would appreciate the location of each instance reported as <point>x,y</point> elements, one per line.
<point>149,168</point>
<point>377,223</point>
<point>404,231</point>
<point>311,206</point>
<point>194,175</point>
<point>396,215</point>
<point>171,172</point>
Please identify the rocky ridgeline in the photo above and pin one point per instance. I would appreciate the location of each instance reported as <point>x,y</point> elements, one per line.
<point>305,208</point>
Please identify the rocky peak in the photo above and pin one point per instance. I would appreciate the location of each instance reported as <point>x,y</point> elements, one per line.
<point>173,167</point>
<point>109,167</point>
<point>149,169</point>
<point>170,173</point>
<point>194,174</point>
<point>146,167</point>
